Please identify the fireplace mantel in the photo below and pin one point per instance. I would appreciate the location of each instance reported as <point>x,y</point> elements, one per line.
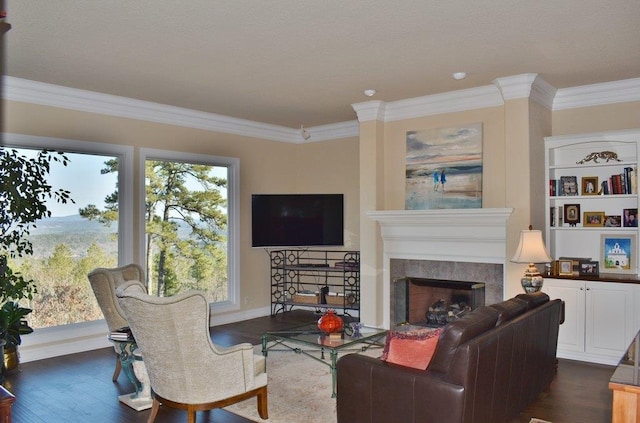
<point>471,235</point>
<point>455,235</point>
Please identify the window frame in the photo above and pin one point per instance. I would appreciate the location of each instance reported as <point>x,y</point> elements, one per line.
<point>83,336</point>
<point>233,213</point>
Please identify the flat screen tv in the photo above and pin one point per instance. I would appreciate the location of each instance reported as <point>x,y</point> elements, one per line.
<point>297,220</point>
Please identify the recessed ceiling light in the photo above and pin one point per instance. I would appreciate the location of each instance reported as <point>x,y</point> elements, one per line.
<point>459,75</point>
<point>369,93</point>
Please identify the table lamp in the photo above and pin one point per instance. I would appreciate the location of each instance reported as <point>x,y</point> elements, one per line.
<point>531,249</point>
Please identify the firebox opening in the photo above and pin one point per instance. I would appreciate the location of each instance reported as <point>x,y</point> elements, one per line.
<point>433,302</point>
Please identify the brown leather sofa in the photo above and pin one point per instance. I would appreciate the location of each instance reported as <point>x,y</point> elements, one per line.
<point>487,367</point>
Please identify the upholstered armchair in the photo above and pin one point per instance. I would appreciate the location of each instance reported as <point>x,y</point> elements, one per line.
<point>186,369</point>
<point>104,282</point>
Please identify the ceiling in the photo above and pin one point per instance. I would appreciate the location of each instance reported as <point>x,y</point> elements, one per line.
<point>304,62</point>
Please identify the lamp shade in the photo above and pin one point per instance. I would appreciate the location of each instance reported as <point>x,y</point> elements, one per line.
<point>531,248</point>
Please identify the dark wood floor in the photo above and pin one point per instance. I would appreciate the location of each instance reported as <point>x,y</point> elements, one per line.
<point>78,387</point>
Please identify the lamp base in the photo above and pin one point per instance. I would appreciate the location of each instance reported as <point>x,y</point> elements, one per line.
<point>532,280</point>
<point>531,283</point>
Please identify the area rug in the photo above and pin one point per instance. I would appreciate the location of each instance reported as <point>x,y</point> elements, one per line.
<point>299,390</point>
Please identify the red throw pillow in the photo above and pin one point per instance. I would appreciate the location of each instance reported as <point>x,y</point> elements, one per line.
<point>411,348</point>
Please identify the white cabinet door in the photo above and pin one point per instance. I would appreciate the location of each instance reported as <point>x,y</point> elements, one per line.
<point>610,323</point>
<point>572,331</point>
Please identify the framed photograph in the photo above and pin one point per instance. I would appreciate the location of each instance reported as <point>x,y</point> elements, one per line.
<point>572,214</point>
<point>589,185</point>
<point>589,268</point>
<point>569,185</point>
<point>613,221</point>
<point>593,219</point>
<point>630,218</point>
<point>617,253</point>
<point>565,267</point>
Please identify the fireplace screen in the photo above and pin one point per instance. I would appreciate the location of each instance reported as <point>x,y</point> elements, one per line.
<point>433,302</point>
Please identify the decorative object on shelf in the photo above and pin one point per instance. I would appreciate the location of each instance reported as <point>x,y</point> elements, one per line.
<point>572,214</point>
<point>618,253</point>
<point>590,185</point>
<point>593,218</point>
<point>604,155</point>
<point>630,218</point>
<point>613,221</point>
<point>531,250</point>
<point>330,322</point>
<point>568,185</point>
<point>565,267</point>
<point>589,268</point>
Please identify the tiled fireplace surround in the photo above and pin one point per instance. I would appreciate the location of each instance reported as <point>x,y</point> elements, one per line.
<point>461,244</point>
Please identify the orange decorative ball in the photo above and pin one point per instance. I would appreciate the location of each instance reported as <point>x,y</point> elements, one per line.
<point>330,322</point>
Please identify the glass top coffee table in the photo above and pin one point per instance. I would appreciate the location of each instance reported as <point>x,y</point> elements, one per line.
<point>308,338</point>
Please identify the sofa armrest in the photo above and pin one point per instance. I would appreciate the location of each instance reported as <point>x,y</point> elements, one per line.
<point>371,390</point>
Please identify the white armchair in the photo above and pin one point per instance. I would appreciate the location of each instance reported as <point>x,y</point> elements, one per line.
<point>104,282</point>
<point>186,369</point>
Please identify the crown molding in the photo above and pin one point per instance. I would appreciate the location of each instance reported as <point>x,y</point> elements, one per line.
<point>622,91</point>
<point>528,85</point>
<point>519,86</point>
<point>370,110</point>
<point>331,132</point>
<point>27,91</point>
<point>453,101</point>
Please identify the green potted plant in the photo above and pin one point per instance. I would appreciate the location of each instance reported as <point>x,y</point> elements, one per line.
<point>24,192</point>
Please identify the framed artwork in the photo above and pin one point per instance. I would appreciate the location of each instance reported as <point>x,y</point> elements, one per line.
<point>589,268</point>
<point>565,267</point>
<point>589,185</point>
<point>444,168</point>
<point>630,218</point>
<point>572,214</point>
<point>613,221</point>
<point>569,185</point>
<point>617,253</point>
<point>593,219</point>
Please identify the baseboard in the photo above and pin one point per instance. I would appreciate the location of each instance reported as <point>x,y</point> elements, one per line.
<point>79,337</point>
<point>590,358</point>
<point>63,340</point>
<point>223,319</point>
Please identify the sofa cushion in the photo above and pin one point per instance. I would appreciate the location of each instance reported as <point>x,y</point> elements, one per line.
<point>509,309</point>
<point>411,348</point>
<point>534,299</point>
<point>460,331</point>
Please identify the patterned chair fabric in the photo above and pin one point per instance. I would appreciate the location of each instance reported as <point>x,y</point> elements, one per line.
<point>186,369</point>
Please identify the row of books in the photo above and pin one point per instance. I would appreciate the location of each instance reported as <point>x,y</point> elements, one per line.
<point>623,183</point>
<point>122,334</point>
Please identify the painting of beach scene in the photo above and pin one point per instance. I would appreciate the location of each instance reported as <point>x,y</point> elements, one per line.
<point>444,168</point>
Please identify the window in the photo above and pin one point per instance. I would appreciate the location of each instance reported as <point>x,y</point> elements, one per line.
<point>68,246</point>
<point>190,224</point>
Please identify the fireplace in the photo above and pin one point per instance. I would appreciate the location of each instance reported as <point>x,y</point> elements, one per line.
<point>467,245</point>
<point>433,302</point>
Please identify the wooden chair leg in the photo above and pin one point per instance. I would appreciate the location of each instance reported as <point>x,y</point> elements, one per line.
<point>263,411</point>
<point>154,411</point>
<point>116,371</point>
<point>191,415</point>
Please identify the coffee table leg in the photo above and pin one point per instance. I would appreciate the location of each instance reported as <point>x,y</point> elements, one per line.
<point>264,345</point>
<point>334,371</point>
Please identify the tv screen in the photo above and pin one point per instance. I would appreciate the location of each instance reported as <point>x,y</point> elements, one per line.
<point>297,220</point>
